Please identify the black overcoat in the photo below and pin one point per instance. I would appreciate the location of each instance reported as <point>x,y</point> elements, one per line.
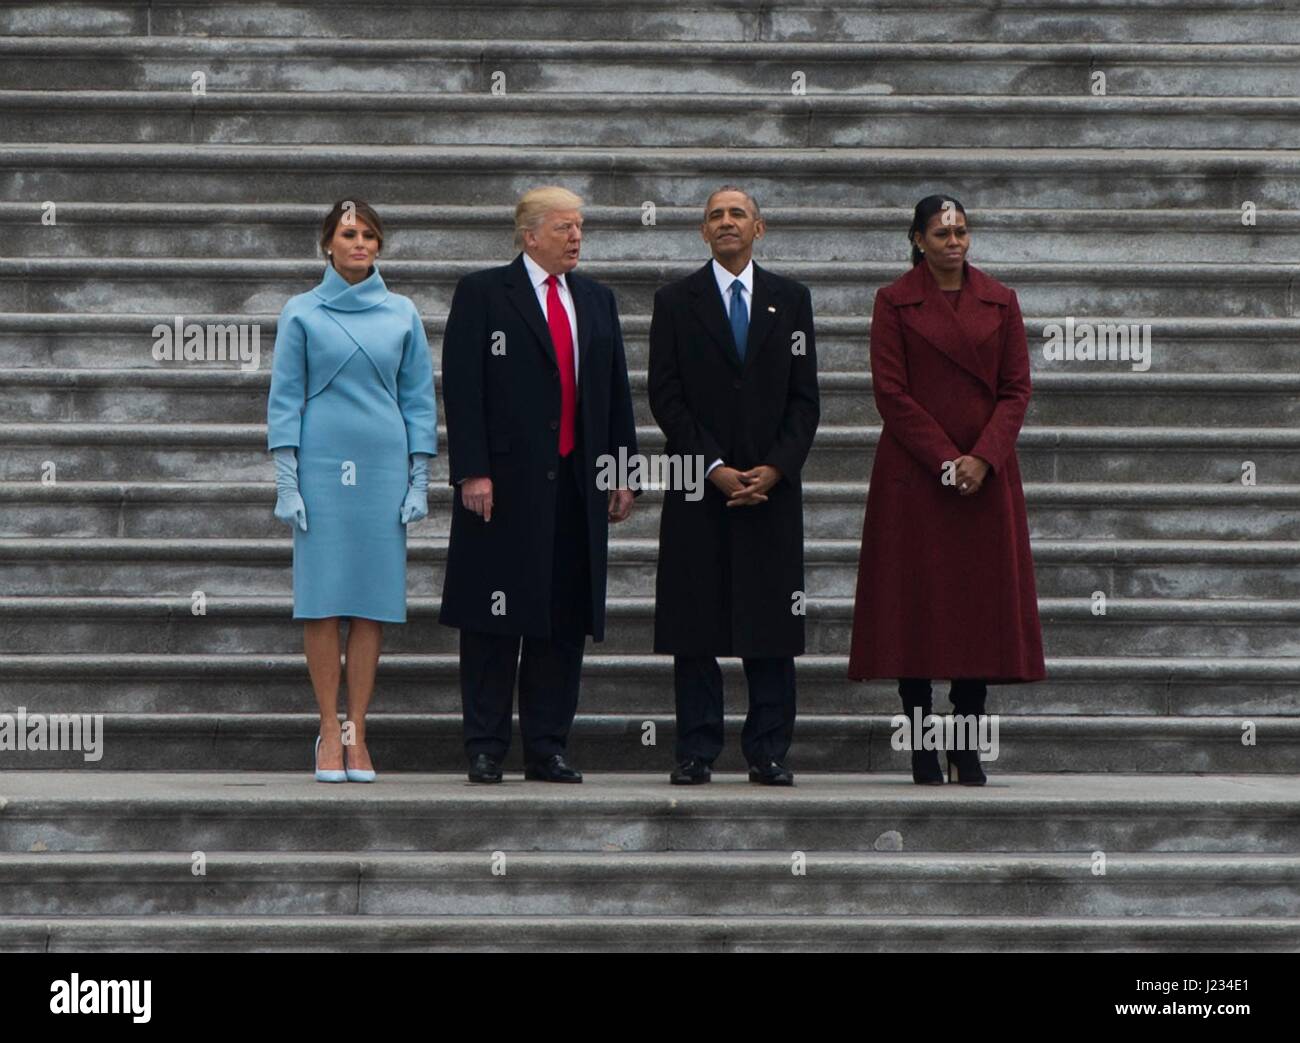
<point>730,580</point>
<point>501,398</point>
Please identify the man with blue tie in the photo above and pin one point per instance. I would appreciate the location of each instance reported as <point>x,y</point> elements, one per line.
<point>733,382</point>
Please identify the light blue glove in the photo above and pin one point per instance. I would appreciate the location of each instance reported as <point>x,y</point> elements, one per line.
<point>289,507</point>
<point>416,504</point>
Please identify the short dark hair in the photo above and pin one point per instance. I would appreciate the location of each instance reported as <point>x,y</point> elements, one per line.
<point>733,188</point>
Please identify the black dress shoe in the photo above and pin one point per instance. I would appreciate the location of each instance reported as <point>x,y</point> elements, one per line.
<point>484,769</point>
<point>691,773</point>
<point>553,769</point>
<point>773,773</point>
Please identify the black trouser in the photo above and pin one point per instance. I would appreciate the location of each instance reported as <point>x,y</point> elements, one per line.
<point>769,725</point>
<point>550,668</point>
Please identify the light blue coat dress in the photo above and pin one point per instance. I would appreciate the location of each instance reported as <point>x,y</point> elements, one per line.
<point>352,391</point>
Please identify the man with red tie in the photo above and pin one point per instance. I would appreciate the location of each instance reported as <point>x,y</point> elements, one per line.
<point>535,391</point>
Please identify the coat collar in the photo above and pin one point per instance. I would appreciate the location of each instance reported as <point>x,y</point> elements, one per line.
<point>764,306</point>
<point>523,295</point>
<point>912,287</point>
<point>345,305</point>
<point>337,293</point>
<point>957,333</point>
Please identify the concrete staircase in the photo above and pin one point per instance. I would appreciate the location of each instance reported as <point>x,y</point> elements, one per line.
<point>1123,207</point>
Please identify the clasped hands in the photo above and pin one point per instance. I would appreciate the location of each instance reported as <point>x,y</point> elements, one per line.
<point>745,488</point>
<point>971,471</point>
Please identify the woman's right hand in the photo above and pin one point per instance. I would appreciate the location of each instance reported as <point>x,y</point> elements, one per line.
<point>289,507</point>
<point>476,494</point>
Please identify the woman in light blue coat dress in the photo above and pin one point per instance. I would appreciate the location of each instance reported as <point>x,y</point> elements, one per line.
<point>351,422</point>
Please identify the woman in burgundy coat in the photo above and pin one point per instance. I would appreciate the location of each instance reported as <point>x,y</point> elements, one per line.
<point>945,579</point>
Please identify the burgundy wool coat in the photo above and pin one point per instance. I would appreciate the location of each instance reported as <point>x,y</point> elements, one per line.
<point>946,582</point>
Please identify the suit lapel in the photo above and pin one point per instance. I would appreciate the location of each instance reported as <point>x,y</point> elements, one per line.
<point>706,302</point>
<point>580,295</point>
<point>763,308</point>
<point>520,293</point>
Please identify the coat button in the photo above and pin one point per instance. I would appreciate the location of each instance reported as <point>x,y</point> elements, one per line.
<point>550,476</point>
<point>555,425</point>
<point>736,384</point>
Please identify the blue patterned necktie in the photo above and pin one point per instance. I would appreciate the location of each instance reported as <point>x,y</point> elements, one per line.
<point>739,318</point>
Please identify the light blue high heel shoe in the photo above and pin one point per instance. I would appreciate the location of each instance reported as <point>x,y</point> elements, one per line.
<point>357,774</point>
<point>327,774</point>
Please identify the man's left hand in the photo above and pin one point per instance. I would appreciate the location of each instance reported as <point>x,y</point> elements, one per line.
<point>620,504</point>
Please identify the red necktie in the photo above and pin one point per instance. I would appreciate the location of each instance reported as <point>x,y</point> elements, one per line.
<point>562,340</point>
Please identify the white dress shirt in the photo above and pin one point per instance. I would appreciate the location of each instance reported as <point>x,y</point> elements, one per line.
<point>725,280</point>
<point>539,275</point>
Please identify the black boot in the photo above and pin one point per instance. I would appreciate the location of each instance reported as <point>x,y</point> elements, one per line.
<point>968,697</point>
<point>915,693</point>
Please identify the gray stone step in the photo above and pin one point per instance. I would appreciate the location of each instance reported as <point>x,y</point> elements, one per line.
<point>587,934</point>
<point>88,811</point>
<point>98,340</point>
<point>474,175</point>
<point>1062,395</point>
<point>650,884</point>
<point>620,66</point>
<point>811,233</point>
<point>1178,21</point>
<point>833,510</point>
<point>221,567</point>
<point>771,118</point>
<point>1131,626</point>
<point>235,452</point>
<point>248,683</point>
<point>404,743</point>
<point>1143,293</point>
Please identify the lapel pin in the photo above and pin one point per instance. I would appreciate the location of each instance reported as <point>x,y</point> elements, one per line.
<point>771,308</point>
